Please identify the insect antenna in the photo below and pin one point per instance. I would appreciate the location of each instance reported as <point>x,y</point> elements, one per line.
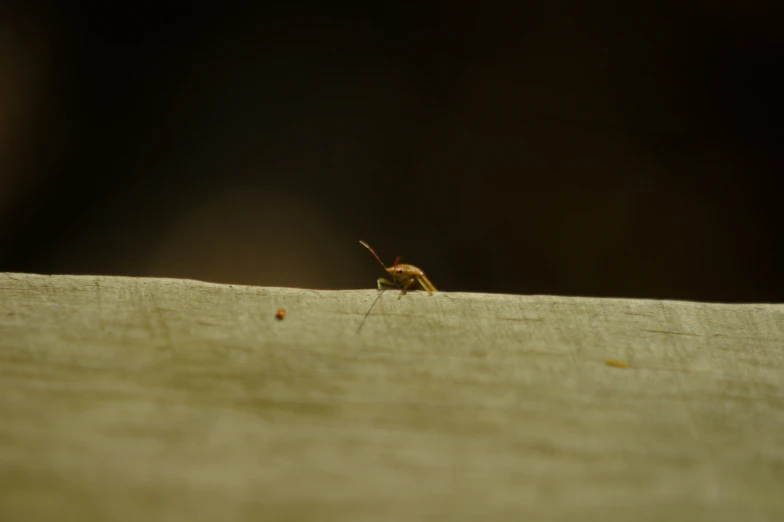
<point>374,253</point>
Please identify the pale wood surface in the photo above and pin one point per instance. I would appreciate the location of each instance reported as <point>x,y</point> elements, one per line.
<point>128,399</point>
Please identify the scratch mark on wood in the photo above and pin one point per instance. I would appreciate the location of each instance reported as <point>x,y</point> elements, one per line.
<point>556,313</point>
<point>380,314</point>
<point>163,326</point>
<point>369,309</point>
<point>99,303</point>
<point>671,333</point>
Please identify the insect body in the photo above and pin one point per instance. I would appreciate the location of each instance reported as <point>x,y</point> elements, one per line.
<point>281,314</point>
<point>405,277</point>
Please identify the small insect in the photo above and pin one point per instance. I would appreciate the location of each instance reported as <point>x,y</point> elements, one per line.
<point>405,277</point>
<point>617,364</point>
<point>281,314</point>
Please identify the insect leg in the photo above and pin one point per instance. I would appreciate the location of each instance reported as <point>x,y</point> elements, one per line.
<point>406,286</point>
<point>384,284</point>
<point>425,283</point>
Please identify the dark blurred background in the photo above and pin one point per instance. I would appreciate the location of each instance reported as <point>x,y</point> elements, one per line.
<point>610,150</point>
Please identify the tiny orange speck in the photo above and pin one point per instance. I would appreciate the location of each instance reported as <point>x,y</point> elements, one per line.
<point>617,364</point>
<point>281,314</point>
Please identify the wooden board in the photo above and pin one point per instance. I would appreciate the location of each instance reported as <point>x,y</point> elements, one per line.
<point>158,399</point>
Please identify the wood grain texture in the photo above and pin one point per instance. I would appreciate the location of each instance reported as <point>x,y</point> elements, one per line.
<point>126,399</point>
